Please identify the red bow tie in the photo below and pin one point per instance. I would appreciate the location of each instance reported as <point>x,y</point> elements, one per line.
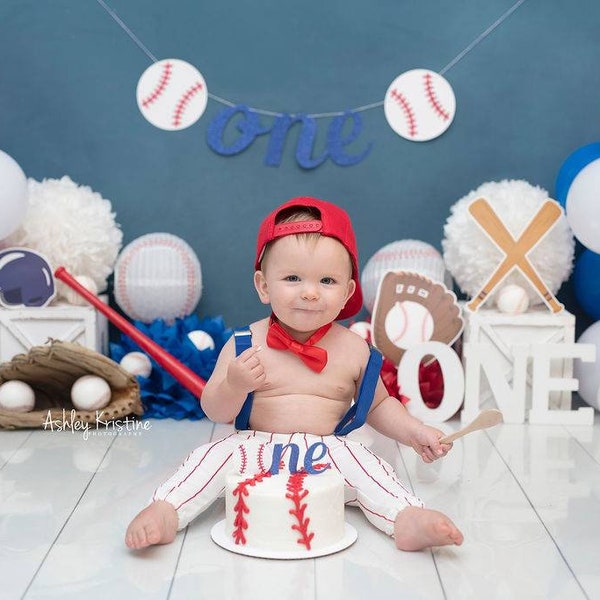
<point>312,356</point>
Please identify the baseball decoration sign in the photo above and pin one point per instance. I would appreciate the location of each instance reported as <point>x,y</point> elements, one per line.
<point>419,105</point>
<point>172,94</point>
<point>515,250</point>
<point>411,309</point>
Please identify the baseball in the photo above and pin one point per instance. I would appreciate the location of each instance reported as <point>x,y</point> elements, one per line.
<point>90,392</point>
<point>419,105</point>
<point>157,276</point>
<point>512,300</point>
<point>72,297</point>
<point>16,396</point>
<point>361,328</point>
<point>136,363</point>
<point>408,323</point>
<point>172,94</point>
<point>201,339</point>
<point>401,255</point>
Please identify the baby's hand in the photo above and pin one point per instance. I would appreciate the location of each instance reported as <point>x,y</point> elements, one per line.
<point>246,372</point>
<point>426,443</point>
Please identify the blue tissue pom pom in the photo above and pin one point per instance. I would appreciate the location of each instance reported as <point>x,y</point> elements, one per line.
<point>163,397</point>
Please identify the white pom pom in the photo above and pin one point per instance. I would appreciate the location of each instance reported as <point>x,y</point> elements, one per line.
<point>90,392</point>
<point>16,396</point>
<point>72,226</point>
<point>512,299</point>
<point>201,339</point>
<point>72,297</point>
<point>137,363</point>
<point>471,256</point>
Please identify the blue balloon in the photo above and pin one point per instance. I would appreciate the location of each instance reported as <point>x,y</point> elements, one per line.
<point>571,168</point>
<point>586,279</point>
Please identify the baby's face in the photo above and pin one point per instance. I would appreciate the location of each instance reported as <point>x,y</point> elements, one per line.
<point>306,281</point>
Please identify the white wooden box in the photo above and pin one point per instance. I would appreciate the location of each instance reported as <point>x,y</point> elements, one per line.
<point>22,328</point>
<point>503,332</point>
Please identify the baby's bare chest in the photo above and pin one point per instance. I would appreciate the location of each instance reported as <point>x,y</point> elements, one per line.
<point>287,374</point>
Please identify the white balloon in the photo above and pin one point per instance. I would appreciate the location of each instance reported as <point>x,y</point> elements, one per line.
<point>588,373</point>
<point>583,206</point>
<point>13,195</point>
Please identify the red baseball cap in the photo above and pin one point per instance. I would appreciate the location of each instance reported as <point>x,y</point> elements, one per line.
<point>334,222</point>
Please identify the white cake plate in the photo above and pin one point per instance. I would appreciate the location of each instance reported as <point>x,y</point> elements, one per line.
<point>218,535</point>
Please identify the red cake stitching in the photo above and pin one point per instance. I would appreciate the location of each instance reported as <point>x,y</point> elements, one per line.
<point>241,508</point>
<point>297,493</point>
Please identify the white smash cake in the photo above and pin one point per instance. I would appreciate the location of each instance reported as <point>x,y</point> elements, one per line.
<point>285,512</point>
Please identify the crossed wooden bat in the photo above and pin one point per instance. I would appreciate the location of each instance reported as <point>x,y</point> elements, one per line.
<point>515,250</point>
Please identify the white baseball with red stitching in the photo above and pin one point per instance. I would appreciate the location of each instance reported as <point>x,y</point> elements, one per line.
<point>419,105</point>
<point>408,323</point>
<point>172,94</point>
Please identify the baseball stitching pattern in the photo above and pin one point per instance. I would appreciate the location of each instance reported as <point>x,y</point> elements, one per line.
<point>244,457</point>
<point>183,103</point>
<point>432,97</point>
<point>161,86</point>
<point>241,508</point>
<point>409,114</point>
<point>121,283</point>
<point>297,493</point>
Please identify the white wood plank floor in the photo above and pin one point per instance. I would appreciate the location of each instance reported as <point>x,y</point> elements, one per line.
<point>527,498</point>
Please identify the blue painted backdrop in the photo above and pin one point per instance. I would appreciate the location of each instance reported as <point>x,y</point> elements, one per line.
<point>527,96</point>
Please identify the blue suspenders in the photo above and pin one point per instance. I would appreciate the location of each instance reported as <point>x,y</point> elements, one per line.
<point>357,413</point>
<point>243,340</point>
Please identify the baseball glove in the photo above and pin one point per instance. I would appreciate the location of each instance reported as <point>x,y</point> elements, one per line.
<point>51,370</point>
<point>411,309</point>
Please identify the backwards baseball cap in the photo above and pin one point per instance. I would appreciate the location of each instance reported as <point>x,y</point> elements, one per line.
<point>333,222</point>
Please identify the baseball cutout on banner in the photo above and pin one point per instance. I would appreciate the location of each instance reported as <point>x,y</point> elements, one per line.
<point>419,105</point>
<point>157,276</point>
<point>172,94</point>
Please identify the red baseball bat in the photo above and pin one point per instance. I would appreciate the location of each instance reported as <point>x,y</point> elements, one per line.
<point>186,377</point>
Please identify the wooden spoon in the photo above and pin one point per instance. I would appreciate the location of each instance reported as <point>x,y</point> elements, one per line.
<point>486,418</point>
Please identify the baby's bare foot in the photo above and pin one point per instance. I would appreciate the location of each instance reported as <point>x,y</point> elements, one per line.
<point>417,528</point>
<point>156,524</point>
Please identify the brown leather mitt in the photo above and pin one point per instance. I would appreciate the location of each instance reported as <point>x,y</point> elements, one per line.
<point>411,309</point>
<point>52,369</point>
